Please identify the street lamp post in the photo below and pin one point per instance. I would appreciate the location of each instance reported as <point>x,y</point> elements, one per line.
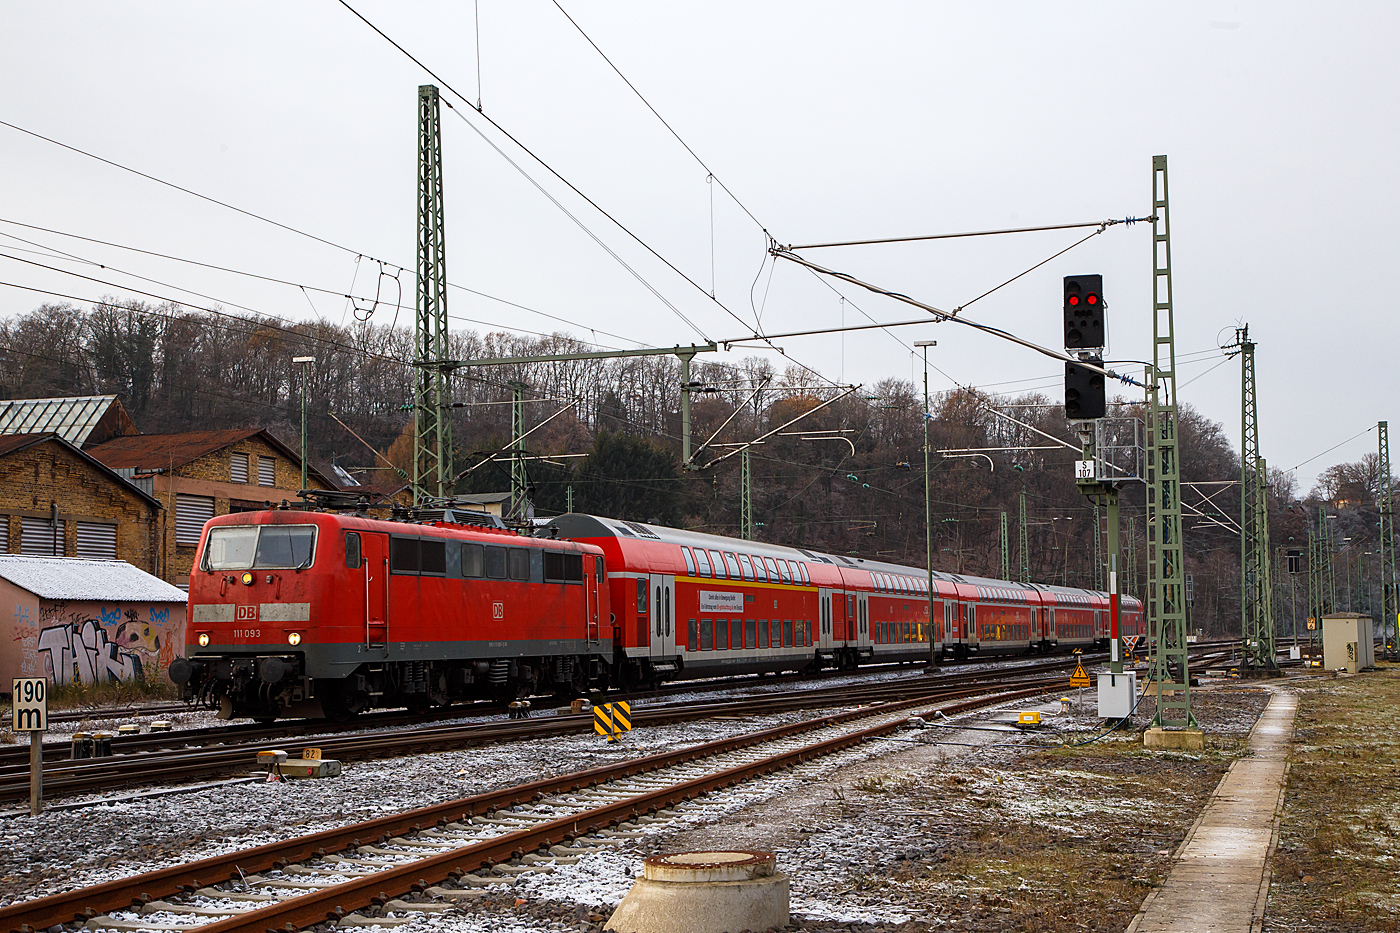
<point>303,361</point>
<point>928,510</point>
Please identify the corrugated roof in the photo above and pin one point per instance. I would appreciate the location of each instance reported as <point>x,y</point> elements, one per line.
<point>163,451</point>
<point>97,580</point>
<point>152,452</point>
<point>73,419</point>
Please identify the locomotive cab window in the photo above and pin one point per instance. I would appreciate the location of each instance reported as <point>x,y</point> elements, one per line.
<point>257,547</point>
<point>352,550</point>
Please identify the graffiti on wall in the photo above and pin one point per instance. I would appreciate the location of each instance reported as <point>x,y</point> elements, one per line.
<point>90,643</point>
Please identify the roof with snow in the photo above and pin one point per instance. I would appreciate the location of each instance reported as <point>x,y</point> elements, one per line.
<point>78,578</point>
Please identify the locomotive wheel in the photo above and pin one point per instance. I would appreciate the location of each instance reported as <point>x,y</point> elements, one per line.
<point>339,701</point>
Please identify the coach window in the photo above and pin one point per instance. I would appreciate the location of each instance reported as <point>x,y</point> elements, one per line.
<point>718,562</point>
<point>352,549</point>
<point>692,636</point>
<point>760,571</point>
<point>732,564</point>
<point>473,561</point>
<point>748,567</point>
<point>707,634</point>
<point>750,639</point>
<point>519,563</point>
<point>736,633</point>
<point>702,562</point>
<point>775,570</point>
<point>641,594</point>
<point>787,634</point>
<point>802,571</point>
<point>689,561</point>
<point>721,634</point>
<point>763,633</point>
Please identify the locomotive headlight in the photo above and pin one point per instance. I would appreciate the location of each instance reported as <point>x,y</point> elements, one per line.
<point>247,578</point>
<point>294,638</point>
<point>203,639</point>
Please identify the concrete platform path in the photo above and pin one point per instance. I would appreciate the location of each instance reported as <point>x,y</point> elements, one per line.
<point>1220,881</point>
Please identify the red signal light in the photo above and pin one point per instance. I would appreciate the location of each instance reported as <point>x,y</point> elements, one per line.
<point>1092,299</point>
<point>1073,300</point>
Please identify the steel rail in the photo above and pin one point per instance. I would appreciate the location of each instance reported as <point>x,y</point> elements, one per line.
<point>83,904</point>
<point>91,774</point>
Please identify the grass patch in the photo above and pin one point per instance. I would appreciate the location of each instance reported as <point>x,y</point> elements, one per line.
<point>120,693</point>
<point>1339,839</point>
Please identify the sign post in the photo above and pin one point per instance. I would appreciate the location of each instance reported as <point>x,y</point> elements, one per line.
<point>30,701</point>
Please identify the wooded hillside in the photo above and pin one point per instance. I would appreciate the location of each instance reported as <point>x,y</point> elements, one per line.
<point>176,370</point>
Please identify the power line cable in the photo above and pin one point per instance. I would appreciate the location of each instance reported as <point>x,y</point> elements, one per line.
<point>180,188</point>
<point>701,162</point>
<point>545,165</point>
<point>300,285</point>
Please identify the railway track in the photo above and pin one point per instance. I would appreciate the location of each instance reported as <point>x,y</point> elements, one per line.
<point>325,876</point>
<point>169,764</point>
<point>158,758</point>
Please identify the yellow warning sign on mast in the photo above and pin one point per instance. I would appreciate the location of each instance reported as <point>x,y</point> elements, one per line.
<point>1080,677</point>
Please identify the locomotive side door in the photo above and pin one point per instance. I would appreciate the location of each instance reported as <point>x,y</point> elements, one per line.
<point>374,567</point>
<point>663,612</point>
<point>826,623</point>
<point>591,573</point>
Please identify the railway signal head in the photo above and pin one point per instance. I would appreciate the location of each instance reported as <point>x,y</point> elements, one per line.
<point>1084,312</point>
<point>1084,391</point>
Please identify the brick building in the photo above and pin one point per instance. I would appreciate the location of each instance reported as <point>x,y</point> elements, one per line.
<point>57,500</point>
<point>196,475</point>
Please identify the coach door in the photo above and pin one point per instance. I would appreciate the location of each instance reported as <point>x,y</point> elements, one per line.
<point>862,619</point>
<point>826,625</point>
<point>374,567</point>
<point>663,612</point>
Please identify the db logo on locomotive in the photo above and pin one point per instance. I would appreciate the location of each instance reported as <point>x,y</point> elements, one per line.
<point>245,614</point>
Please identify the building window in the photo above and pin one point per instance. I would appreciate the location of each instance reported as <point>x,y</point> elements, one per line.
<point>267,474</point>
<point>238,468</point>
<point>96,541</point>
<point>191,512</point>
<point>40,537</point>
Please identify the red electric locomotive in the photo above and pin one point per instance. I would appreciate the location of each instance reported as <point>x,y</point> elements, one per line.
<point>299,612</point>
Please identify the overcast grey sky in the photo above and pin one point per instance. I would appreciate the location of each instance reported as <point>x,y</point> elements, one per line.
<point>826,120</point>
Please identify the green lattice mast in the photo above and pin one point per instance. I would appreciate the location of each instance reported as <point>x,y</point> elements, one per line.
<point>1005,549</point>
<point>1390,598</point>
<point>433,476</point>
<point>1166,591</point>
<point>1256,594</point>
<point>1023,548</point>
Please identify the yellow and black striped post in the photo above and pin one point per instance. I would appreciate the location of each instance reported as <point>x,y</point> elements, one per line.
<point>612,719</point>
